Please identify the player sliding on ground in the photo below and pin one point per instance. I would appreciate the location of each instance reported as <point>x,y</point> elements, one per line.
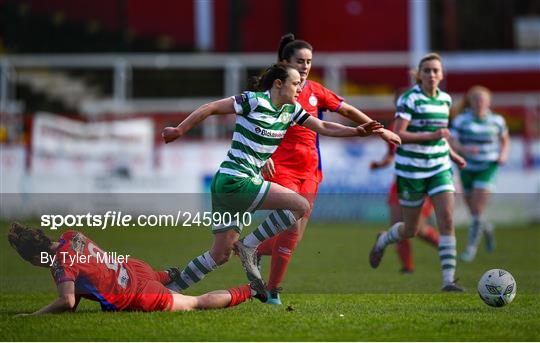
<point>131,285</point>
<point>262,120</point>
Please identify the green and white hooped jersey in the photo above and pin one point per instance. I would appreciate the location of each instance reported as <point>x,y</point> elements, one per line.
<point>483,134</point>
<point>259,129</point>
<point>425,114</point>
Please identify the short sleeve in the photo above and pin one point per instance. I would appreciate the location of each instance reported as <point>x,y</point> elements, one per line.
<point>454,126</point>
<point>404,108</point>
<point>244,103</point>
<point>300,115</point>
<point>330,100</point>
<point>62,272</point>
<point>503,129</point>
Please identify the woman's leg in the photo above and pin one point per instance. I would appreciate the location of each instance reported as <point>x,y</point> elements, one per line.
<point>411,195</point>
<point>288,207</point>
<point>477,203</point>
<point>403,247</point>
<point>212,300</point>
<point>203,264</point>
<point>286,242</point>
<point>399,231</point>
<point>294,184</point>
<point>427,232</point>
<point>444,209</point>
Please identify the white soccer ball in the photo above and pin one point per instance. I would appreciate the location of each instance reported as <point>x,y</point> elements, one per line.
<point>497,287</point>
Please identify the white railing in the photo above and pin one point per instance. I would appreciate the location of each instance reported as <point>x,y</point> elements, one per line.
<point>235,65</point>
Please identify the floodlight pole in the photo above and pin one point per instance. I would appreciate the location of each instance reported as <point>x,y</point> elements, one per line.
<point>4,80</point>
<point>8,105</point>
<point>122,81</point>
<point>333,76</point>
<point>418,30</point>
<point>204,24</point>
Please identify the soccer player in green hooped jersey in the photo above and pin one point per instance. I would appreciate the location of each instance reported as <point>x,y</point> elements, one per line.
<point>481,136</point>
<point>262,120</point>
<point>423,166</point>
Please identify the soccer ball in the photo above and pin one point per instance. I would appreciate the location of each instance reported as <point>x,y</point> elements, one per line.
<point>497,287</point>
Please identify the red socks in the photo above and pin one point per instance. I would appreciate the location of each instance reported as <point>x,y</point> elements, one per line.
<point>281,254</point>
<point>430,235</point>
<point>239,295</point>
<point>265,248</point>
<point>281,248</point>
<point>403,248</point>
<point>162,277</point>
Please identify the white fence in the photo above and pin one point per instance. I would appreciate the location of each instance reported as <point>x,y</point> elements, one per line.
<point>235,66</point>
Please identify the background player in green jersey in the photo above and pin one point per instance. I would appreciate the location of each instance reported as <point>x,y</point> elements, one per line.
<point>423,166</point>
<point>261,122</point>
<point>481,136</point>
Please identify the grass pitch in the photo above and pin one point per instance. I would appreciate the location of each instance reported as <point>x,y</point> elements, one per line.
<point>330,293</point>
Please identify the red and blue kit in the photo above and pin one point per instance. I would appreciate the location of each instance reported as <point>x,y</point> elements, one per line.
<point>118,283</point>
<point>297,159</point>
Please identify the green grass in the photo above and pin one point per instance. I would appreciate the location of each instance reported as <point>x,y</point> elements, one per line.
<point>331,293</point>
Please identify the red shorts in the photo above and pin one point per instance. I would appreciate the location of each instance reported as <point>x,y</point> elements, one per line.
<point>308,188</point>
<point>427,208</point>
<point>151,294</point>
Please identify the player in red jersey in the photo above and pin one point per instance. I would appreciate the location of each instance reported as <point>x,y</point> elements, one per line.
<point>296,163</point>
<point>81,269</point>
<point>427,232</point>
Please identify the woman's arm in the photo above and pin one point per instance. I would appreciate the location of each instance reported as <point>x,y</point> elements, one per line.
<point>223,106</point>
<point>360,117</point>
<point>417,137</point>
<point>462,149</point>
<point>66,300</point>
<point>354,114</point>
<point>505,148</point>
<point>385,162</point>
<point>326,128</point>
<point>454,156</point>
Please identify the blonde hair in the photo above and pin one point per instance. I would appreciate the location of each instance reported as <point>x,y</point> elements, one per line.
<point>428,57</point>
<point>466,101</point>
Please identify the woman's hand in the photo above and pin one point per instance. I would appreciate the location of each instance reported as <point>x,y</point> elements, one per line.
<point>369,128</point>
<point>460,161</point>
<point>442,133</point>
<point>268,169</point>
<point>170,134</point>
<point>391,137</point>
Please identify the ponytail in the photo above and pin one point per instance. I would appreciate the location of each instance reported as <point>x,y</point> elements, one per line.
<point>288,46</point>
<point>285,39</point>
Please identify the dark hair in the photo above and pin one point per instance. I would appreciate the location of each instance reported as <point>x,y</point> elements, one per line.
<point>288,46</point>
<point>28,242</point>
<point>265,81</point>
